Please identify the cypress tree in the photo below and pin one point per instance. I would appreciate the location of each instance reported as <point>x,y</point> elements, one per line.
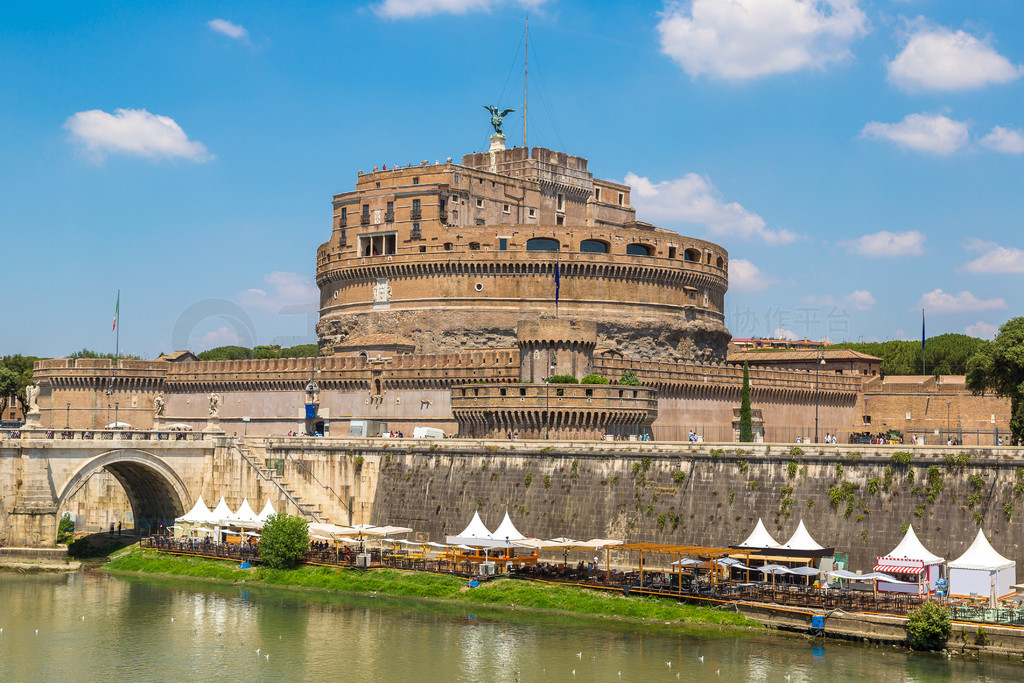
<point>746,423</point>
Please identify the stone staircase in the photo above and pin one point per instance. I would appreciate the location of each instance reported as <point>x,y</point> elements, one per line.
<point>310,511</point>
<point>34,492</point>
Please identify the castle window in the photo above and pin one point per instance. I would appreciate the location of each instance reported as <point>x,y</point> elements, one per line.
<point>378,186</point>
<point>503,391</point>
<point>533,213</point>
<point>481,221</point>
<point>366,210</point>
<point>344,215</point>
<point>638,250</point>
<point>560,202</point>
<point>455,199</point>
<point>720,262</point>
<point>505,208</point>
<point>423,248</point>
<point>456,178</point>
<point>479,203</point>
<point>474,246</point>
<point>594,247</point>
<point>560,220</point>
<point>378,244</point>
<point>597,194</point>
<point>621,197</point>
<point>691,255</point>
<point>448,246</point>
<point>502,243</point>
<point>671,252</point>
<point>415,181</point>
<point>541,244</point>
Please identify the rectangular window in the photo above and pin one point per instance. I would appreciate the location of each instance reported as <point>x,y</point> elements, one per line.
<point>391,207</point>
<point>560,220</point>
<point>502,243</point>
<point>533,213</point>
<point>416,205</point>
<point>480,221</point>
<point>344,215</point>
<point>456,178</point>
<point>505,208</point>
<point>560,202</point>
<point>597,194</point>
<point>455,199</point>
<point>479,203</point>
<point>621,197</point>
<point>415,181</point>
<point>378,244</point>
<point>378,186</point>
<point>366,209</point>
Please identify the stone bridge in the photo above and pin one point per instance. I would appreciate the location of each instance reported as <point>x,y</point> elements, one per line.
<point>42,472</point>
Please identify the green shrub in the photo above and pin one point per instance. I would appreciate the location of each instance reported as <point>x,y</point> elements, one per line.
<point>901,457</point>
<point>528,480</point>
<point>1008,510</point>
<point>547,482</point>
<point>928,627</point>
<point>661,522</point>
<point>65,528</point>
<point>753,485</point>
<point>981,637</point>
<point>796,450</point>
<point>594,379</point>
<point>791,469</point>
<point>717,452</point>
<point>810,503</point>
<point>873,485</point>
<point>887,481</point>
<point>732,495</point>
<point>635,469</point>
<point>629,379</point>
<point>283,540</point>
<point>562,379</point>
<point>679,477</point>
<point>358,463</point>
<point>839,470</point>
<point>645,463</point>
<point>744,466</point>
<point>976,481</point>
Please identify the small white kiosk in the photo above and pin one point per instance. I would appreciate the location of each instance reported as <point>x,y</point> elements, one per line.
<point>982,572</point>
<point>910,561</point>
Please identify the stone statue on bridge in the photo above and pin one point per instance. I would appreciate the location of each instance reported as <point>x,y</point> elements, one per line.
<point>159,405</point>
<point>214,404</point>
<point>31,399</point>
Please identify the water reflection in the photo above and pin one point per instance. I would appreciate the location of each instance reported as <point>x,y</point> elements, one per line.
<point>96,627</point>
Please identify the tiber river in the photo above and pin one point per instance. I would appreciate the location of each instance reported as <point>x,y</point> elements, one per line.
<point>92,627</point>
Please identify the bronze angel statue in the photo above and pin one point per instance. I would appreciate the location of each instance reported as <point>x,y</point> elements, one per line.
<point>497,116</point>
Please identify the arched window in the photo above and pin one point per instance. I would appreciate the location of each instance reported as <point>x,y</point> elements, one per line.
<point>691,255</point>
<point>594,247</point>
<point>638,250</point>
<point>721,262</point>
<point>541,244</point>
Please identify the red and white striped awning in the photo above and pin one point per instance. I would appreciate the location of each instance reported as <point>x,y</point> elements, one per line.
<point>890,569</point>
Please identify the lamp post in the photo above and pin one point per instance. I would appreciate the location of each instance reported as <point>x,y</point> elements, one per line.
<point>817,392</point>
<point>547,399</point>
<point>116,404</point>
<point>67,416</point>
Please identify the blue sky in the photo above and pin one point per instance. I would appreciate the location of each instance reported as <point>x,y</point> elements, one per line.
<point>859,160</point>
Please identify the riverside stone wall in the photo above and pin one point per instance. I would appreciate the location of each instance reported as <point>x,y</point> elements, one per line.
<point>855,502</point>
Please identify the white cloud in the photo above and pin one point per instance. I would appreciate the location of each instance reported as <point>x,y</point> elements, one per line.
<point>932,133</point>
<point>885,243</point>
<point>744,276</point>
<point>222,336</point>
<point>135,132</point>
<point>783,333</point>
<point>981,330</point>
<point>936,58</point>
<point>228,29</point>
<point>287,290</point>
<point>740,39</point>
<point>938,301</point>
<point>858,300</point>
<point>994,258</point>
<point>693,199</point>
<point>1005,140</point>
<point>408,9</point>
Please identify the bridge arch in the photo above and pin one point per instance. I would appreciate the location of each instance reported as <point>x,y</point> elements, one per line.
<point>154,490</point>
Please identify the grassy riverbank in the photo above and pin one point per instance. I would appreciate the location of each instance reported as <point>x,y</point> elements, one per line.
<point>497,593</point>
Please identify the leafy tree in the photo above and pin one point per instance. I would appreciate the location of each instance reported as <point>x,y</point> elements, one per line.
<point>226,353</point>
<point>629,379</point>
<point>562,379</point>
<point>945,354</point>
<point>593,379</point>
<point>65,528</point>
<point>746,421</point>
<point>88,353</point>
<point>300,351</point>
<point>21,368</point>
<point>999,366</point>
<point>271,351</point>
<point>283,540</point>
<point>928,627</point>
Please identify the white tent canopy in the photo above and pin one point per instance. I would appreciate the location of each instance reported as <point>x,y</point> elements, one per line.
<point>268,510</point>
<point>801,540</point>
<point>246,513</point>
<point>910,548</point>
<point>199,514</point>
<point>759,538</point>
<point>981,571</point>
<point>507,531</point>
<point>221,513</point>
<point>476,529</point>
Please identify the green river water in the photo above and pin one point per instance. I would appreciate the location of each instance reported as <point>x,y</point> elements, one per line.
<point>88,626</point>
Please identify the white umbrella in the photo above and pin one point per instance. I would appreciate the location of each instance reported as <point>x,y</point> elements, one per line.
<point>118,425</point>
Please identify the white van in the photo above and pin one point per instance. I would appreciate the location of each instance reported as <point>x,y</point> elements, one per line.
<point>427,433</point>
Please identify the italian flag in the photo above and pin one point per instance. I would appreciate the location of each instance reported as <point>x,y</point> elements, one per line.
<point>117,305</point>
